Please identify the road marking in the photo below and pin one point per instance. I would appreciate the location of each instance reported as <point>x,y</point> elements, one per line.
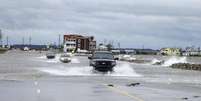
<point>38,91</point>
<point>124,93</point>
<point>36,83</point>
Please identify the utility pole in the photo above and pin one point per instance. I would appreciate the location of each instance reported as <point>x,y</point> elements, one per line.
<point>1,42</point>
<point>119,45</point>
<point>59,45</point>
<point>30,39</point>
<point>111,42</point>
<point>7,40</point>
<point>22,40</point>
<point>105,41</point>
<point>0,34</point>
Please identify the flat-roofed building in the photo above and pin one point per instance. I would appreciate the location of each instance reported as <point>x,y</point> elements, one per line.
<point>80,42</point>
<point>170,51</point>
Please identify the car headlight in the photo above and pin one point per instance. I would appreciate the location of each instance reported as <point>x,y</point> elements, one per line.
<point>113,63</point>
<point>93,62</point>
<point>61,58</point>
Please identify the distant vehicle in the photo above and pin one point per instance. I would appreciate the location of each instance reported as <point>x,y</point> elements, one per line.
<point>102,61</point>
<point>50,55</point>
<point>65,58</point>
<point>26,49</point>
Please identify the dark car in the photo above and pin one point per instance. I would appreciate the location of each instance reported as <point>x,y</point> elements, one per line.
<point>102,61</point>
<point>50,55</point>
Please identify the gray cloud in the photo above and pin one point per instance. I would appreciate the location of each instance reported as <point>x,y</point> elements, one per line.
<point>153,23</point>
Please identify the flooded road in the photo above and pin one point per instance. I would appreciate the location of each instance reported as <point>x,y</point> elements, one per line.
<point>29,76</point>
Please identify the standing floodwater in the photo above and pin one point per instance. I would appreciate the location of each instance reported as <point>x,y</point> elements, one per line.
<point>35,63</point>
<point>30,76</point>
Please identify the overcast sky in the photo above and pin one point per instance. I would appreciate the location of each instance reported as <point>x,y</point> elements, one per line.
<point>133,23</point>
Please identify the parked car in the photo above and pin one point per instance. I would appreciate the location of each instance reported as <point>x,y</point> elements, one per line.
<point>102,61</point>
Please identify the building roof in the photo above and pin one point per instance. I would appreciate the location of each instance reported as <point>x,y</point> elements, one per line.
<point>78,36</point>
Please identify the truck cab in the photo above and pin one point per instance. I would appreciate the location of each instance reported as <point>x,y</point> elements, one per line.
<point>102,61</point>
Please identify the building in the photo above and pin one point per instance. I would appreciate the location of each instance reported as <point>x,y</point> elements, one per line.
<point>192,51</point>
<point>69,46</point>
<point>79,42</point>
<point>146,51</point>
<point>171,51</point>
<point>123,51</point>
<point>134,51</point>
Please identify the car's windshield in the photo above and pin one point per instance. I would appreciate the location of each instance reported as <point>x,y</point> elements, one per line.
<point>103,56</point>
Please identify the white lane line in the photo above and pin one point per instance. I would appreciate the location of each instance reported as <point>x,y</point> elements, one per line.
<point>124,93</point>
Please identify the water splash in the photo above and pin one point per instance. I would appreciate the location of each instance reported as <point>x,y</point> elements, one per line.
<point>121,70</point>
<point>70,71</point>
<point>41,57</point>
<point>125,70</point>
<point>56,59</point>
<point>154,61</point>
<point>174,60</point>
<point>44,59</point>
<point>75,60</point>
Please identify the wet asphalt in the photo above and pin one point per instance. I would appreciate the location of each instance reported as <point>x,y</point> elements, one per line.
<point>29,76</point>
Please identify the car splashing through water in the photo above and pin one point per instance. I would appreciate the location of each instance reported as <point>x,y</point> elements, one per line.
<point>124,70</point>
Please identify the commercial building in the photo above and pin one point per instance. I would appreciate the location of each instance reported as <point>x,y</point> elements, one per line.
<point>171,51</point>
<point>73,42</point>
<point>123,51</point>
<point>146,51</point>
<point>133,51</point>
<point>192,51</point>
